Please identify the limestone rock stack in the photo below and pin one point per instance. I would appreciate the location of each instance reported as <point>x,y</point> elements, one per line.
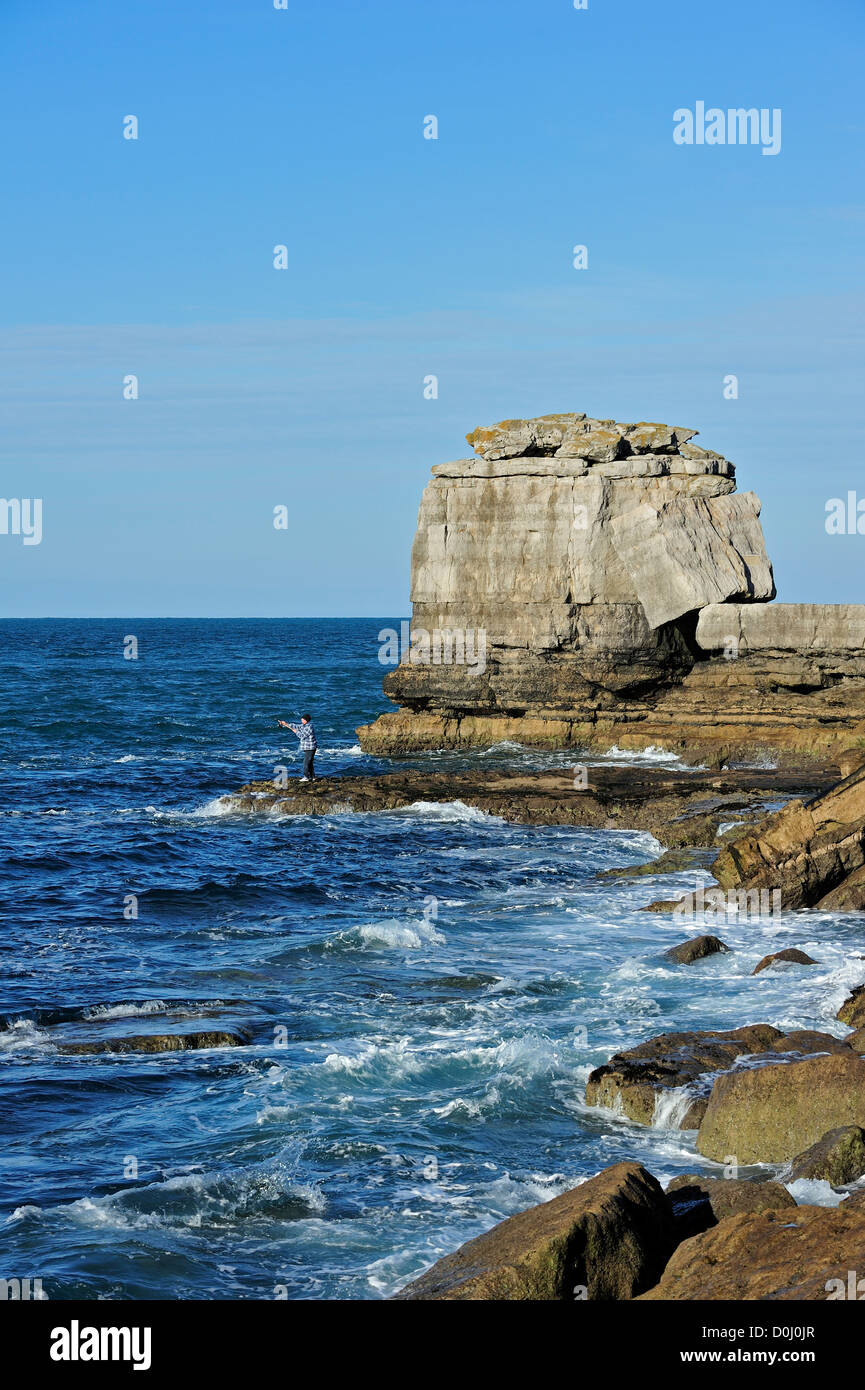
<point>584,551</point>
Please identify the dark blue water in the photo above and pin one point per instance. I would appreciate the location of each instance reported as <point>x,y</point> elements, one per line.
<point>425,991</point>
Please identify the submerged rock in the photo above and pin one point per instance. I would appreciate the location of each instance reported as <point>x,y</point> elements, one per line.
<point>696,949</point>
<point>837,1158</point>
<point>612,1237</point>
<point>779,1255</point>
<point>157,1042</point>
<point>770,1113</point>
<point>791,955</point>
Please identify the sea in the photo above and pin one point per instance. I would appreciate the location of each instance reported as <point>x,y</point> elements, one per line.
<point>421,994</point>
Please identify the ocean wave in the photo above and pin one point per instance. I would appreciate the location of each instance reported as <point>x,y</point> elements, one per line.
<point>268,1190</point>
<point>407,935</point>
<point>22,1035</point>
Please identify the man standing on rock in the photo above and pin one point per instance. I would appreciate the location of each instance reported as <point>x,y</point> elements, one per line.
<point>308,744</point>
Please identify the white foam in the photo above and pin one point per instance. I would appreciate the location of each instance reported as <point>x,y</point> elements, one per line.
<point>407,936</point>
<point>220,806</point>
<point>445,811</point>
<point>652,754</point>
<point>814,1192</point>
<point>22,1035</point>
<point>671,1107</point>
<point>130,1010</point>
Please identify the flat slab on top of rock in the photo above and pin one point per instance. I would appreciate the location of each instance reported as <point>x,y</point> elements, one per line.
<point>696,949</point>
<point>791,955</point>
<point>783,1255</point>
<point>612,1235</point>
<point>768,1114</point>
<point>580,436</point>
<point>837,1158</point>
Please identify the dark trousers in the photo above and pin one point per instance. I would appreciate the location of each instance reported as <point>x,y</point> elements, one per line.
<point>308,760</point>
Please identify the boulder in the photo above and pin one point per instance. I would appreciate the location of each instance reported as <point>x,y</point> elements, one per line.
<point>852,1011</point>
<point>851,760</point>
<point>695,949</point>
<point>779,1255</point>
<point>856,1040</point>
<point>791,955</point>
<point>838,1158</point>
<point>646,438</point>
<point>811,853</point>
<point>612,1236</point>
<point>663,1070</point>
<point>699,1202</point>
<point>768,1114</point>
<point>157,1042</point>
<point>690,552</point>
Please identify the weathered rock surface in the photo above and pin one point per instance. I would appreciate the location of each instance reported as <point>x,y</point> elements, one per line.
<point>779,1255</point>
<point>852,1011</point>
<point>790,956</point>
<point>699,1203</point>
<point>612,1236</point>
<point>586,551</point>
<point>696,949</point>
<point>770,1113</point>
<point>812,853</point>
<point>672,861</point>
<point>693,551</point>
<point>157,1042</point>
<point>577,436</point>
<point>807,1041</point>
<point>633,1082</point>
<point>838,1158</point>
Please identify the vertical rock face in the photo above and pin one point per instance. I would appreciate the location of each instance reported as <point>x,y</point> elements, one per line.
<point>578,554</point>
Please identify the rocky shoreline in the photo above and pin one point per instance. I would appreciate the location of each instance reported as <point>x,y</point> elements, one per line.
<point>794,1102</point>
<point>790,1102</point>
<point>682,806</point>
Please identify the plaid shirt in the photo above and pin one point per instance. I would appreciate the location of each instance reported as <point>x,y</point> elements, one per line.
<point>306,734</point>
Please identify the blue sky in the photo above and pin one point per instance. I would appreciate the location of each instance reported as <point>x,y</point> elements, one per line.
<point>407,257</point>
